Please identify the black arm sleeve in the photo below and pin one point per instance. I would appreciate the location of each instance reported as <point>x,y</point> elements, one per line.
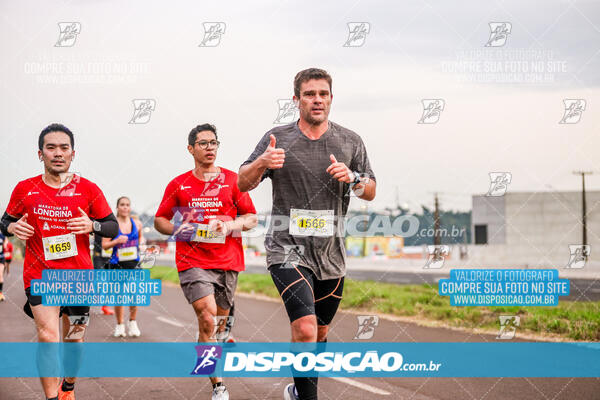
<point>109,227</point>
<point>7,220</point>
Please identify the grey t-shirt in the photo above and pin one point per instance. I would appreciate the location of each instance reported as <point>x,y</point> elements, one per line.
<point>304,183</point>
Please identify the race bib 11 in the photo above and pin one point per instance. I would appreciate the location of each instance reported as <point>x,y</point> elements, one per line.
<point>204,235</point>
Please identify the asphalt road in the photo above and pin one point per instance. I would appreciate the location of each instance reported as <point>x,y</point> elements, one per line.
<point>170,318</point>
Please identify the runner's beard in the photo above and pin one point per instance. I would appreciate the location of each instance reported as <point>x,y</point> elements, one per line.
<point>315,121</point>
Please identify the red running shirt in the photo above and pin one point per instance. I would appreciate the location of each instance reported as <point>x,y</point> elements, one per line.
<point>216,198</point>
<point>8,250</point>
<point>48,209</point>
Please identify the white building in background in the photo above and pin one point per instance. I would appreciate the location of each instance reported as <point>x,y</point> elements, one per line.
<point>533,229</point>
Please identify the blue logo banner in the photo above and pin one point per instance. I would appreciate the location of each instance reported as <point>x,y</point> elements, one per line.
<point>300,359</point>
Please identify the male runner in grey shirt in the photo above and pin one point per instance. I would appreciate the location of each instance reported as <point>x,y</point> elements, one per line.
<point>314,165</point>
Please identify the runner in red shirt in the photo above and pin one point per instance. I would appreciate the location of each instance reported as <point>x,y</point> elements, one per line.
<point>54,213</point>
<point>8,254</point>
<point>209,253</point>
<point>3,263</point>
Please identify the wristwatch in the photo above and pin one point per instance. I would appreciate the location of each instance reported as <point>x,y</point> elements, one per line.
<point>96,226</point>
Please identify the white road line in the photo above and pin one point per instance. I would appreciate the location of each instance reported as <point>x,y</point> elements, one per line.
<point>170,321</point>
<point>361,385</point>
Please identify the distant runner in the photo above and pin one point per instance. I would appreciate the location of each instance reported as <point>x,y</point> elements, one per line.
<point>100,259</point>
<point>3,241</point>
<point>8,254</point>
<point>125,255</point>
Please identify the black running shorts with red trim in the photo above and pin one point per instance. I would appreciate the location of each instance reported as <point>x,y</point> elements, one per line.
<point>303,294</point>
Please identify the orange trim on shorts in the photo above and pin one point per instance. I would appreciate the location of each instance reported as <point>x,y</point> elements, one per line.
<point>289,286</point>
<point>332,292</point>
<point>306,280</point>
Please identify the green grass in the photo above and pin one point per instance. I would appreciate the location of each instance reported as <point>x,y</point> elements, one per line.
<point>571,320</point>
<point>168,274</point>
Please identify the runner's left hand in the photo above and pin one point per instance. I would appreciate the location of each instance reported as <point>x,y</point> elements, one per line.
<point>339,170</point>
<point>80,225</point>
<point>216,225</point>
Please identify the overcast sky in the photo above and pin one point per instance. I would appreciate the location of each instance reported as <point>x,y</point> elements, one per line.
<point>504,120</point>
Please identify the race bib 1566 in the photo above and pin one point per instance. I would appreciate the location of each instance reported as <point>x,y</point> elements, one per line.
<point>311,222</point>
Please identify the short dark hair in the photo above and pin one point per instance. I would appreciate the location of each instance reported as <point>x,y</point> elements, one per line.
<point>55,128</point>
<point>204,127</point>
<point>307,75</point>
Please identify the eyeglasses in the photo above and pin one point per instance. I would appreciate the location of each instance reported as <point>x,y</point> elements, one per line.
<point>203,144</point>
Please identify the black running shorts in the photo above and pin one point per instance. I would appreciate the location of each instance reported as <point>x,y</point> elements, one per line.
<point>303,294</point>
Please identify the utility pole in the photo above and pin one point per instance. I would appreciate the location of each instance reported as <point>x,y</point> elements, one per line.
<point>365,209</point>
<point>436,222</point>
<point>583,204</point>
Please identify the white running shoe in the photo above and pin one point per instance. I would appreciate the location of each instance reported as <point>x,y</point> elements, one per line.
<point>288,392</point>
<point>132,329</point>
<point>119,331</point>
<point>220,393</point>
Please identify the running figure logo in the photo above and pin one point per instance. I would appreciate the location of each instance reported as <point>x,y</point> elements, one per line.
<point>148,256</point>
<point>207,359</point>
<point>366,326</point>
<point>579,255</point>
<point>499,32</point>
<point>573,110</point>
<point>432,109</point>
<point>357,34</point>
<point>508,326</point>
<point>437,256</point>
<point>499,182</point>
<point>288,112</point>
<point>214,183</point>
<point>184,219</point>
<point>223,325</point>
<point>77,326</point>
<point>212,34</point>
<point>142,110</point>
<point>68,34</point>
<point>68,183</point>
<point>364,179</point>
<point>293,254</point>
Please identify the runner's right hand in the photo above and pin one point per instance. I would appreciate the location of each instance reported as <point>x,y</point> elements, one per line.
<point>185,229</point>
<point>273,158</point>
<point>21,228</point>
<point>122,239</point>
